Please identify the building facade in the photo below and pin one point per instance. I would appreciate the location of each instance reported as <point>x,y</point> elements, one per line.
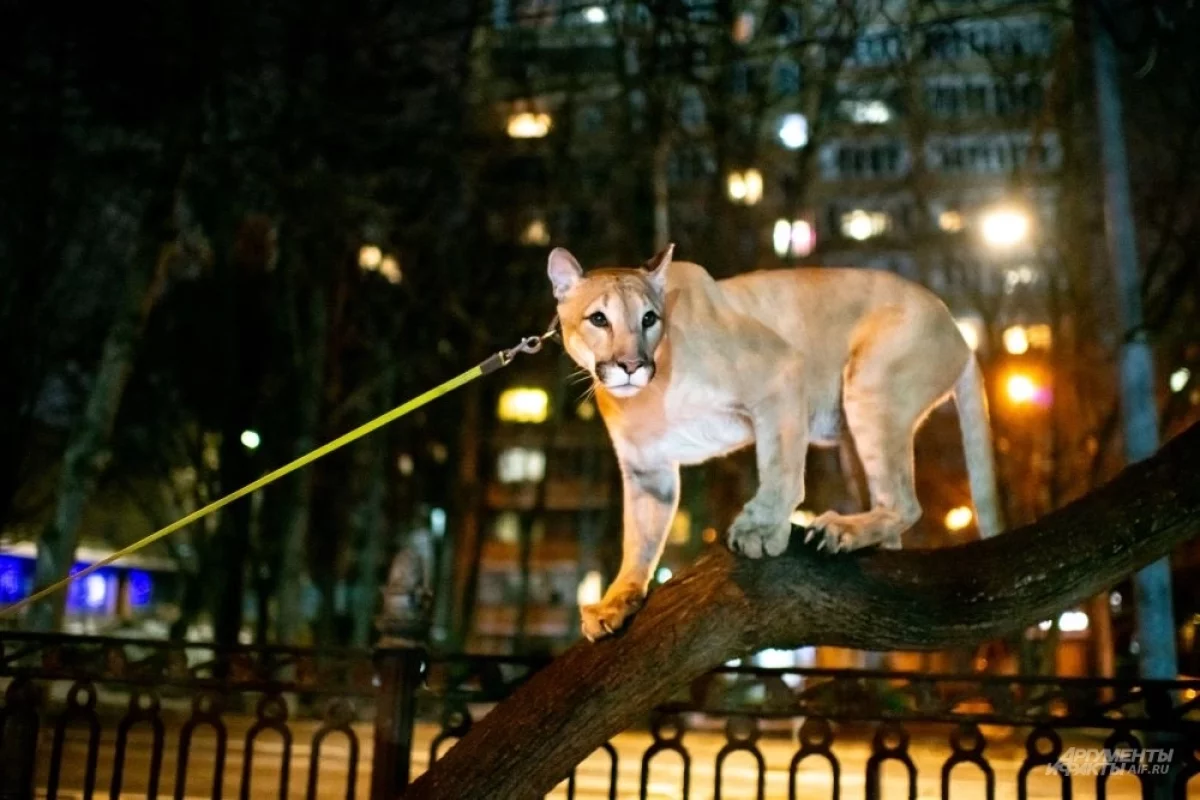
<point>916,137</point>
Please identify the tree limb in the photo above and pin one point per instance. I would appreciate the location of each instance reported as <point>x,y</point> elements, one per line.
<point>726,607</point>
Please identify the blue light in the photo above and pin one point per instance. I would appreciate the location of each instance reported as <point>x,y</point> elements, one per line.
<point>12,579</point>
<point>91,593</point>
<point>141,588</point>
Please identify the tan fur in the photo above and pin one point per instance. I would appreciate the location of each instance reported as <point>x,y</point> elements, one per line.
<point>782,359</point>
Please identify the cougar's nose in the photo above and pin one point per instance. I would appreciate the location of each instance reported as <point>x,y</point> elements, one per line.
<point>631,365</point>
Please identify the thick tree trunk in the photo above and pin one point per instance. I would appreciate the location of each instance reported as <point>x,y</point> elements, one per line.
<point>87,447</point>
<point>726,607</point>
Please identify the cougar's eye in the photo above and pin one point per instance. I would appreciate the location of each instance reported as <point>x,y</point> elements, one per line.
<point>598,319</point>
<point>648,319</point>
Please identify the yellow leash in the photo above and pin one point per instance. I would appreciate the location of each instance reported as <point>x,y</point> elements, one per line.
<point>530,344</point>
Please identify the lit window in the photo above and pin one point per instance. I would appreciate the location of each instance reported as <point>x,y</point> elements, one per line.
<point>507,527</point>
<point>95,590</point>
<point>523,404</point>
<point>796,238</point>
<point>950,221</point>
<point>1021,276</point>
<point>743,27</point>
<point>860,225</point>
<point>1019,339</point>
<point>866,112</point>
<point>1039,335</point>
<point>1016,341</point>
<point>521,465</point>
<point>793,131</point>
<point>1004,227</point>
<point>776,659</point>
<point>745,188</point>
<point>1073,621</point>
<point>590,590</point>
<point>528,125</point>
<point>737,187</point>
<point>139,588</point>
<point>681,528</point>
<point>12,579</point>
<point>535,233</point>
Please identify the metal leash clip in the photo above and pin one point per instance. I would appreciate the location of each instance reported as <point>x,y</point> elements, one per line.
<point>530,344</point>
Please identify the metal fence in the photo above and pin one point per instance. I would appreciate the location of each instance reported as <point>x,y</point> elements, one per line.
<point>128,718</point>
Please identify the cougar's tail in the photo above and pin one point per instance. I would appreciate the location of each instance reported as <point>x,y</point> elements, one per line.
<point>971,399</point>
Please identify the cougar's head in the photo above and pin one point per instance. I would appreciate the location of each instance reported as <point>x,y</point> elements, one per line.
<point>612,319</point>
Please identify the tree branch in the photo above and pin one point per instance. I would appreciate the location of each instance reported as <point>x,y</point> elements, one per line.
<point>726,607</point>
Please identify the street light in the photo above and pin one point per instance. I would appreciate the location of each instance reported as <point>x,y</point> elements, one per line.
<point>793,131</point>
<point>1004,227</point>
<point>250,439</point>
<point>1020,388</point>
<point>369,256</point>
<point>959,518</point>
<point>1016,340</point>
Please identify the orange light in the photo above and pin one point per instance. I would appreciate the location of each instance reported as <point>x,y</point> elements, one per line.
<point>1020,389</point>
<point>958,518</point>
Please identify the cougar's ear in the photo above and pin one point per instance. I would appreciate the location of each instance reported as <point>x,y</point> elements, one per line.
<point>656,267</point>
<point>564,272</point>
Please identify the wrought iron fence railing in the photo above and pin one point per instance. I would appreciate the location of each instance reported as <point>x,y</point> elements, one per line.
<point>87,716</point>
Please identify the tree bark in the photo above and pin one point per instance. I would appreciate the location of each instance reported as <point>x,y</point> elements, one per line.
<point>727,607</point>
<point>87,446</point>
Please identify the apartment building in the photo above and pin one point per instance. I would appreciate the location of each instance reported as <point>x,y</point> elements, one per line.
<point>907,136</point>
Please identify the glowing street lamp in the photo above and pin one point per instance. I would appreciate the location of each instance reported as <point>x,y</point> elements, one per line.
<point>959,518</point>
<point>793,131</point>
<point>1004,227</point>
<point>1016,340</point>
<point>1020,389</point>
<point>369,257</point>
<point>250,439</point>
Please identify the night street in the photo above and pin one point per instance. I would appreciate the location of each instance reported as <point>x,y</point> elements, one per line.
<point>612,365</point>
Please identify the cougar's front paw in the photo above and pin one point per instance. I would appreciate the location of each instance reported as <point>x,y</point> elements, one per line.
<point>754,537</point>
<point>841,533</point>
<point>606,617</point>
